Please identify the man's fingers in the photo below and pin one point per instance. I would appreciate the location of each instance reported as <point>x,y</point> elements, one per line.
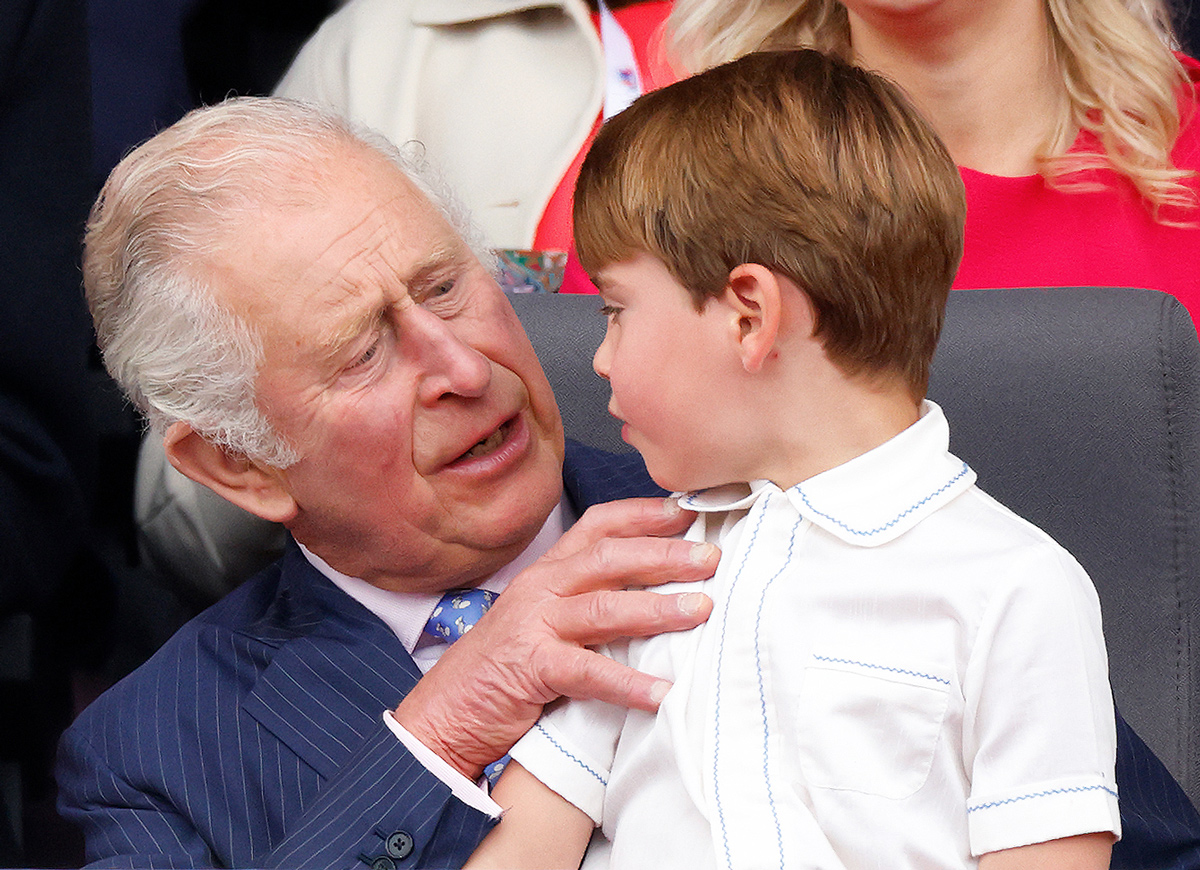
<point>627,518</point>
<point>600,617</point>
<point>612,563</point>
<point>489,687</point>
<point>587,674</point>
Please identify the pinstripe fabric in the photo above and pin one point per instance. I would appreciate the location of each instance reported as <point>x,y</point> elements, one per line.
<point>1161,829</point>
<point>592,476</point>
<point>253,738</point>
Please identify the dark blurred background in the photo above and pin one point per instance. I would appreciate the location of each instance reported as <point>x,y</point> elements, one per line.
<point>81,82</point>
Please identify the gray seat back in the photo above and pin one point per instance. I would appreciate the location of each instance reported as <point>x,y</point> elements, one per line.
<point>1080,410</point>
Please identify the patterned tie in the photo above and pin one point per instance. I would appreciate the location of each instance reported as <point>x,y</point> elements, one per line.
<point>453,617</point>
<point>457,612</point>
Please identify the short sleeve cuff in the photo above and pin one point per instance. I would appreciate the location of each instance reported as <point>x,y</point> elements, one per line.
<point>545,753</point>
<point>1045,811</point>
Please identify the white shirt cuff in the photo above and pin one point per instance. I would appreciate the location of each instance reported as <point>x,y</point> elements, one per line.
<point>1047,811</point>
<point>472,794</point>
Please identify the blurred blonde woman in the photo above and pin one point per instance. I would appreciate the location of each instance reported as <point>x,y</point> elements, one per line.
<point>1073,122</point>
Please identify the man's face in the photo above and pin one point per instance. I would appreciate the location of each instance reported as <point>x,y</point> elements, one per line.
<point>431,447</point>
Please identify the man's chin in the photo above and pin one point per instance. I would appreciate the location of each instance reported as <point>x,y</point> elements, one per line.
<point>515,506</point>
<point>522,514</point>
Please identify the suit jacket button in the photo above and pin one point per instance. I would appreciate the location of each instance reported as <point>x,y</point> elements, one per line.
<point>399,845</point>
<point>383,862</point>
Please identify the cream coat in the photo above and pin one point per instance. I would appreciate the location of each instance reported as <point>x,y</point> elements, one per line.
<point>503,93</point>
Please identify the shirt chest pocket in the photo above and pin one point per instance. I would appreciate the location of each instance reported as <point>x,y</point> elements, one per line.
<point>869,726</point>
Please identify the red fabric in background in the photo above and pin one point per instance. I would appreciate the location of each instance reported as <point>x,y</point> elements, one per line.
<point>643,22</point>
<point>1019,232</point>
<point>1022,233</point>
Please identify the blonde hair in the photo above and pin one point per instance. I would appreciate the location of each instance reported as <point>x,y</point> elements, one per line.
<point>800,162</point>
<point>1121,77</point>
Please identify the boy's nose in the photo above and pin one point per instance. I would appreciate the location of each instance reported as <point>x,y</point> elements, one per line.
<point>602,361</point>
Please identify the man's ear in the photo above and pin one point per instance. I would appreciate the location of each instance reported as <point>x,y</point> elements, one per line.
<point>754,294</point>
<point>259,489</point>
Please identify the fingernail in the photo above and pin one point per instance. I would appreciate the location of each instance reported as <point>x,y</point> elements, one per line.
<point>671,507</point>
<point>702,553</point>
<point>691,603</point>
<point>659,691</point>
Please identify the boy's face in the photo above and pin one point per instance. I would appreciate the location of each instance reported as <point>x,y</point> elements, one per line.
<point>667,364</point>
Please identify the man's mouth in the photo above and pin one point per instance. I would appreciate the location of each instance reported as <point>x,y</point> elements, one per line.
<point>490,443</point>
<point>494,452</point>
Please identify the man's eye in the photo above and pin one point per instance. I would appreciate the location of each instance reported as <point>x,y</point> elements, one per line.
<point>440,289</point>
<point>369,354</point>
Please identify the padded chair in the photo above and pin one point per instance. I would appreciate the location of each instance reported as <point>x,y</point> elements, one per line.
<point>1080,410</point>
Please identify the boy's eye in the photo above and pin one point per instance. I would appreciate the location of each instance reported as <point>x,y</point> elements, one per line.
<point>610,311</point>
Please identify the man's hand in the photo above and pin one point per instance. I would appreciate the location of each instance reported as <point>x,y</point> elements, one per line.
<point>489,687</point>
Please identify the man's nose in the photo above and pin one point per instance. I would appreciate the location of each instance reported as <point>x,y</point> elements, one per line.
<point>448,365</point>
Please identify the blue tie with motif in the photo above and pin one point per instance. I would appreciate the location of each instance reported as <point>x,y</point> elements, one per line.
<point>457,612</point>
<point>453,617</point>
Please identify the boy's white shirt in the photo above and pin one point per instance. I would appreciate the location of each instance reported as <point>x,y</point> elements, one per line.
<point>908,675</point>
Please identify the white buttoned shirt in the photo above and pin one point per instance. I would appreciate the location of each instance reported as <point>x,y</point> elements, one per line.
<point>898,672</point>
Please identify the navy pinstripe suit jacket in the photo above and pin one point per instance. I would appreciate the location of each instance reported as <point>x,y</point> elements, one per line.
<point>254,738</point>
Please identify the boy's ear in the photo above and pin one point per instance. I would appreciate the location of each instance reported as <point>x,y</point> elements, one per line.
<point>755,296</point>
<point>259,489</point>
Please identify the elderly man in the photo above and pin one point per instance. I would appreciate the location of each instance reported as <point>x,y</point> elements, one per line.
<point>296,309</point>
<point>294,306</point>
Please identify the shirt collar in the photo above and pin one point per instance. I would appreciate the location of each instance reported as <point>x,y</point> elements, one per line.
<point>874,498</point>
<point>406,613</point>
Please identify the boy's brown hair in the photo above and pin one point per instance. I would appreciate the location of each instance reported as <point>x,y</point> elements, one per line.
<point>799,162</point>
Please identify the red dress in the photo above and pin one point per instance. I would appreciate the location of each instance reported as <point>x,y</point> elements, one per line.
<point>1022,233</point>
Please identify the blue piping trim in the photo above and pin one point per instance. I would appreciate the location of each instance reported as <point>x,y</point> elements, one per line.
<point>720,656</point>
<point>762,695</point>
<point>564,751</point>
<point>866,533</point>
<point>941,680</point>
<point>1039,794</point>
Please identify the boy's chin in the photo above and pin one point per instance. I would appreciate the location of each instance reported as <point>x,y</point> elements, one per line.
<point>674,475</point>
<point>672,480</point>
<point>665,480</point>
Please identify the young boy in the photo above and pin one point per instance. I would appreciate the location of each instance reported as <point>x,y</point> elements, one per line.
<point>898,672</point>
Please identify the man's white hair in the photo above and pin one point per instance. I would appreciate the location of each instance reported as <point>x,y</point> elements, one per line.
<point>158,228</point>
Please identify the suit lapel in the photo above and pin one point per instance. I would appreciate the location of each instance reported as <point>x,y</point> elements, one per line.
<point>591,476</point>
<point>335,670</point>
<point>334,667</point>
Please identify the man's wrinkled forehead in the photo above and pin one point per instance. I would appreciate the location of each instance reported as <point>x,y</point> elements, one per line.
<point>343,226</point>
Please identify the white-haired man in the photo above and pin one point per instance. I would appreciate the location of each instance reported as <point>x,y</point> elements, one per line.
<point>296,309</point>
<point>293,305</point>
